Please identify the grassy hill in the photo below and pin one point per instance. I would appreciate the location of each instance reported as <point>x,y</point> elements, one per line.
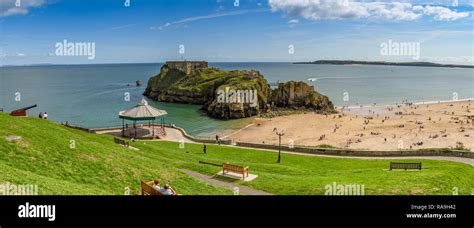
<point>96,166</point>
<point>99,166</point>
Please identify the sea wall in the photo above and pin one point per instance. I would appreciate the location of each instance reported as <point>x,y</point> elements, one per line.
<point>443,152</point>
<point>77,127</point>
<point>363,153</point>
<point>200,140</point>
<point>185,134</point>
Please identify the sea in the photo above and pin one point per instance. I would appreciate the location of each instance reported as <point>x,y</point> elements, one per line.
<point>91,96</point>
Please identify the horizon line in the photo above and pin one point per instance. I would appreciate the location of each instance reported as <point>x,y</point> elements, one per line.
<point>163,62</point>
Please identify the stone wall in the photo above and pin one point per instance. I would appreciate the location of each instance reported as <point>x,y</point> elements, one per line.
<point>363,153</point>
<point>319,151</point>
<point>187,66</point>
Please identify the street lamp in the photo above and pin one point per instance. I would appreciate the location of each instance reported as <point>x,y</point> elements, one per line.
<point>280,134</point>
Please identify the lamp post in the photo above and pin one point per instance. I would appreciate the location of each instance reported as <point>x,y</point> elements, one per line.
<point>280,134</point>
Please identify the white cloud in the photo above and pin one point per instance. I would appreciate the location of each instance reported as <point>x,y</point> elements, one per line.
<point>293,22</point>
<point>441,13</point>
<point>19,55</point>
<point>121,27</point>
<point>9,7</point>
<point>347,9</point>
<point>210,16</point>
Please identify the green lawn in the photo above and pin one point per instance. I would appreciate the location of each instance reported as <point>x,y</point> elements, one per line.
<point>98,166</point>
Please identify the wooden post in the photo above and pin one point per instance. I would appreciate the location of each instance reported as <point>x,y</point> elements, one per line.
<point>123,127</point>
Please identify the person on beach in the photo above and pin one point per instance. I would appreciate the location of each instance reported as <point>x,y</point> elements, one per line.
<point>45,116</point>
<point>204,149</point>
<point>40,115</point>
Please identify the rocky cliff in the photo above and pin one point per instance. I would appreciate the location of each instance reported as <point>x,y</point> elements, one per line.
<point>299,95</point>
<point>232,94</point>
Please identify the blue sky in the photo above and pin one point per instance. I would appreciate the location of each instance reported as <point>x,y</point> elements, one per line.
<point>220,31</point>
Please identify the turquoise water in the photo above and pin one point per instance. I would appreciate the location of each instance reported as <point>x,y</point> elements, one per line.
<point>92,95</point>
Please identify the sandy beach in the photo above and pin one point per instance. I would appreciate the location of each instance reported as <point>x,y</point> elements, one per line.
<point>405,126</point>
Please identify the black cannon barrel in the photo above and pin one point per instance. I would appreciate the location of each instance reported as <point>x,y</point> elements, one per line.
<point>26,108</point>
<point>21,111</point>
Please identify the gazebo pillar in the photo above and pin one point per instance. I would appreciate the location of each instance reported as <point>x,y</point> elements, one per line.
<point>135,126</point>
<point>123,127</point>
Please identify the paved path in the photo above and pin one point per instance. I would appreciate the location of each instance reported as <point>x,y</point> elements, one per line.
<point>211,180</point>
<point>175,135</point>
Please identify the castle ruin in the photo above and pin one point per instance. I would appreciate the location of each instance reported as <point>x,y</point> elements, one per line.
<point>187,66</point>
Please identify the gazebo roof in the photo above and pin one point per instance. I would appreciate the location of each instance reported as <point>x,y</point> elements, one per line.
<point>142,111</point>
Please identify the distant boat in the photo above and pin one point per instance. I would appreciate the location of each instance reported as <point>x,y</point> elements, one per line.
<point>312,79</point>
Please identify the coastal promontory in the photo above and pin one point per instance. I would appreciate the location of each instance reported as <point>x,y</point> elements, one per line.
<point>231,94</point>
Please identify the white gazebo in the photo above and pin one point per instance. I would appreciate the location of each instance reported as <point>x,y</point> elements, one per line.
<point>142,112</point>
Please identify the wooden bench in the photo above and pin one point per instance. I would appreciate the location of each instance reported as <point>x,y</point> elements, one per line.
<point>121,142</point>
<point>226,167</point>
<point>405,165</point>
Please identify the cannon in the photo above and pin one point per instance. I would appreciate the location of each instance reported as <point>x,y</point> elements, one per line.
<point>21,111</point>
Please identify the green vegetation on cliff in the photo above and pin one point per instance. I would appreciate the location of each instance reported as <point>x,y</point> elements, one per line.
<point>165,79</point>
<point>203,86</point>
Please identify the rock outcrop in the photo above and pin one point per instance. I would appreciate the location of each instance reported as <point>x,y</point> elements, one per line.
<point>232,94</point>
<point>299,95</point>
<point>241,96</point>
